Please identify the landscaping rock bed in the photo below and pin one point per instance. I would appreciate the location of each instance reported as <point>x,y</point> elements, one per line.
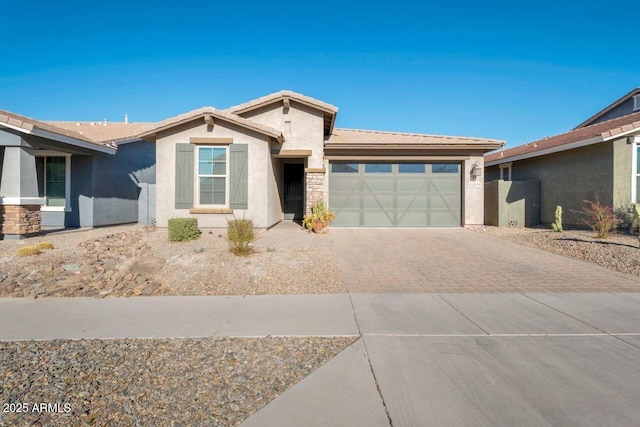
<point>208,381</point>
<point>140,261</point>
<point>619,252</point>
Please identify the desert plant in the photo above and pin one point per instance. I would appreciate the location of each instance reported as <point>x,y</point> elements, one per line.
<point>28,251</point>
<point>319,218</point>
<point>599,217</point>
<point>44,245</point>
<point>557,226</point>
<point>183,229</point>
<point>240,233</point>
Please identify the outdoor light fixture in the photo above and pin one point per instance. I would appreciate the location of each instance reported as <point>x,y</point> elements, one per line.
<point>476,171</point>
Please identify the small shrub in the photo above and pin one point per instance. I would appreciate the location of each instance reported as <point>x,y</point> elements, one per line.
<point>183,229</point>
<point>599,217</point>
<point>28,251</point>
<point>319,218</point>
<point>44,245</point>
<point>635,209</point>
<point>240,233</point>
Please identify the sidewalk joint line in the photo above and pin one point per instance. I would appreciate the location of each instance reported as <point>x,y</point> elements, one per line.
<point>463,315</point>
<point>226,318</point>
<point>373,374</point>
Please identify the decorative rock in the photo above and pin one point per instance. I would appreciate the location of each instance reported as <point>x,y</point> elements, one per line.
<point>71,267</point>
<point>3,275</point>
<point>271,248</point>
<point>199,250</point>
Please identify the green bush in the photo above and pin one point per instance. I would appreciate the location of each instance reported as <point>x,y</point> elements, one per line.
<point>183,229</point>
<point>240,233</point>
<point>28,251</point>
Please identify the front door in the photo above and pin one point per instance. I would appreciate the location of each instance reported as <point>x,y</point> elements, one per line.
<point>293,203</point>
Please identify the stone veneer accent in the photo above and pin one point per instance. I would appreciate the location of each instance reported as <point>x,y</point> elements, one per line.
<point>20,219</point>
<point>314,189</point>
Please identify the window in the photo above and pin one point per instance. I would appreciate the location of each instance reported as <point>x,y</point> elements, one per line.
<point>337,167</point>
<point>53,174</point>
<point>212,176</point>
<point>636,103</point>
<point>444,168</point>
<point>505,171</point>
<point>411,168</point>
<point>377,168</point>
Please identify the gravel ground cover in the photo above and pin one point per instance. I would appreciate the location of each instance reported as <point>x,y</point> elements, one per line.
<point>208,381</point>
<point>619,252</point>
<point>135,260</point>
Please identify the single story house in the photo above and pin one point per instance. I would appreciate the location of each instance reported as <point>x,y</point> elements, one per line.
<point>601,156</point>
<point>70,174</point>
<point>268,159</point>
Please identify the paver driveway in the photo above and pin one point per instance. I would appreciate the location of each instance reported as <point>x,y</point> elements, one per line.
<point>458,260</point>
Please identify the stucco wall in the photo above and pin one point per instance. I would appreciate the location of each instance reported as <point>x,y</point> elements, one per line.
<point>260,174</point>
<point>274,189</point>
<point>473,192</point>
<point>567,178</point>
<point>622,170</point>
<point>307,128</point>
<point>115,193</point>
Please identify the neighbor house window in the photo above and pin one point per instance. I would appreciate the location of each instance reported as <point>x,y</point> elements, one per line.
<point>54,180</point>
<point>636,103</point>
<point>505,171</point>
<point>637,173</point>
<point>212,176</point>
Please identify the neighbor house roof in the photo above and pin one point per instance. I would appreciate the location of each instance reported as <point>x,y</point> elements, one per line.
<point>357,138</point>
<point>285,96</point>
<point>50,131</point>
<point>593,134</point>
<point>610,107</point>
<point>105,132</point>
<point>210,114</point>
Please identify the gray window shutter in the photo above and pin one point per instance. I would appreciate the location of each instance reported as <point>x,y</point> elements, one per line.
<point>239,170</point>
<point>184,176</point>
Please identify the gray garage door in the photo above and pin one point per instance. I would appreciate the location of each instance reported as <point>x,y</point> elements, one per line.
<point>395,194</point>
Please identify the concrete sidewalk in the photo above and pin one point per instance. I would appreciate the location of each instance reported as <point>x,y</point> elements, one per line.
<point>169,317</point>
<point>534,359</point>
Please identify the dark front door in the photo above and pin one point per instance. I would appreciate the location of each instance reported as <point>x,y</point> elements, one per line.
<point>293,190</point>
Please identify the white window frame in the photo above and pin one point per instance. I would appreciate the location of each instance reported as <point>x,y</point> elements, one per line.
<point>506,166</point>
<point>635,173</point>
<point>197,176</point>
<point>67,180</point>
<point>636,102</point>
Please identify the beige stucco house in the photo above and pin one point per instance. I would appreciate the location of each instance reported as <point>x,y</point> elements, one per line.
<point>269,159</point>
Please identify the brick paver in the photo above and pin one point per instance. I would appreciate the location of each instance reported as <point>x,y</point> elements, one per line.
<point>428,260</point>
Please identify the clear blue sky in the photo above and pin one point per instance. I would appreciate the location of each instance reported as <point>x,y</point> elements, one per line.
<point>499,69</point>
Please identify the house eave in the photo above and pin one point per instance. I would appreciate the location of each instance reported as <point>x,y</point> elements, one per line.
<point>551,150</point>
<point>62,138</point>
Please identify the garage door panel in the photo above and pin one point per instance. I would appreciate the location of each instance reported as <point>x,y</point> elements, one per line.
<point>377,219</point>
<point>397,199</point>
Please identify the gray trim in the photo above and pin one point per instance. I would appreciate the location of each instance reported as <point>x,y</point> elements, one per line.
<point>184,176</point>
<point>239,170</point>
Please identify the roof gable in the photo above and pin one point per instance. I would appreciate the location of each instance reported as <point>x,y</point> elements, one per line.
<point>208,114</point>
<point>599,132</point>
<point>286,96</point>
<point>593,119</point>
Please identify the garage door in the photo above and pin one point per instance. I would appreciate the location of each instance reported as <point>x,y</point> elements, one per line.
<point>395,194</point>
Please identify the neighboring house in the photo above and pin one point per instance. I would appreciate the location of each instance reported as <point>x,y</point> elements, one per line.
<point>599,157</point>
<point>69,174</point>
<point>269,159</point>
